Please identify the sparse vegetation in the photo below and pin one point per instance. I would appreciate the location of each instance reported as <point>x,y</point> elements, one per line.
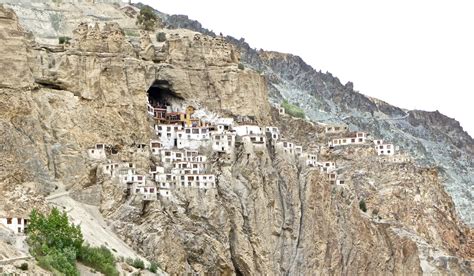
<point>129,261</point>
<point>138,263</point>
<point>57,20</point>
<point>241,66</point>
<point>293,110</point>
<point>362,205</point>
<point>131,33</point>
<point>153,267</point>
<point>99,258</point>
<point>57,245</point>
<point>54,242</point>
<point>24,266</point>
<point>161,37</point>
<point>64,40</point>
<point>147,18</point>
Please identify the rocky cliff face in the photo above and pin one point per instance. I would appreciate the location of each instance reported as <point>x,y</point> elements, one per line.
<point>270,214</point>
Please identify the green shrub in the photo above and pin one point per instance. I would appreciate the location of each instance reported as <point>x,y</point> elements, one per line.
<point>57,261</point>
<point>362,205</point>
<point>64,40</point>
<point>99,258</point>
<point>24,266</point>
<point>147,18</point>
<point>161,37</point>
<point>54,242</point>
<point>153,267</point>
<point>293,110</point>
<point>138,263</point>
<point>52,232</point>
<point>241,66</point>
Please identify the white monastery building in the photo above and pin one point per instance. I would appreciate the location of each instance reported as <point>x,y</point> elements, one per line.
<point>355,138</point>
<point>17,225</point>
<point>98,152</point>
<point>248,130</point>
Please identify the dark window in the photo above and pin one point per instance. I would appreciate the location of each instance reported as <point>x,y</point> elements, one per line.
<point>9,220</point>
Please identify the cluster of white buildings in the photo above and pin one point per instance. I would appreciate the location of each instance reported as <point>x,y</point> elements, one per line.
<point>381,147</point>
<point>387,151</point>
<point>180,136</point>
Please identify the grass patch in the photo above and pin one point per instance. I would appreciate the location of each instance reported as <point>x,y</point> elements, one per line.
<point>153,267</point>
<point>98,258</point>
<point>131,33</point>
<point>138,263</point>
<point>293,110</point>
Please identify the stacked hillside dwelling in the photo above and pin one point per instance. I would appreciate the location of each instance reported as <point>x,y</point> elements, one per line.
<point>183,140</point>
<point>184,137</point>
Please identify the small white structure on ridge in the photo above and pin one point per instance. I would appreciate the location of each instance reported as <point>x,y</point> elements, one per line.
<point>98,152</point>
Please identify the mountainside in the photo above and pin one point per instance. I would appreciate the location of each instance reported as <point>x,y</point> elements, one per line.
<point>435,139</point>
<point>85,126</point>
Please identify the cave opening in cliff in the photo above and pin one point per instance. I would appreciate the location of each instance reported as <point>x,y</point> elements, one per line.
<point>161,95</point>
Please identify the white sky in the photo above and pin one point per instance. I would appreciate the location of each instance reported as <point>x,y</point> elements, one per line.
<point>415,54</point>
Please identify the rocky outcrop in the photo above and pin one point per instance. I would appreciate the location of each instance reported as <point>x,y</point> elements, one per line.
<point>13,50</point>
